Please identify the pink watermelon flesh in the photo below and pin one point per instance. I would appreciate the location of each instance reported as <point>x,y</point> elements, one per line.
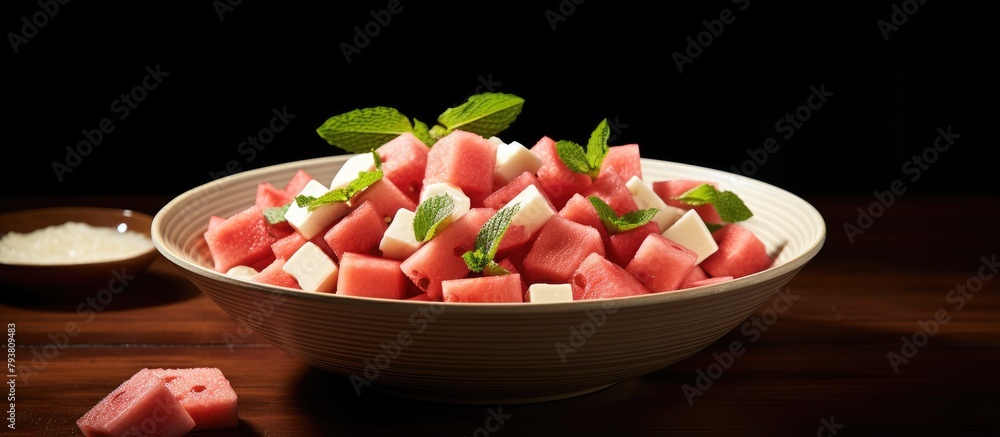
<point>621,247</point>
<point>274,274</point>
<point>740,253</point>
<point>580,210</point>
<point>560,247</point>
<point>466,160</point>
<point>558,181</point>
<point>404,162</point>
<point>504,194</point>
<point>360,231</point>
<point>386,198</point>
<point>612,190</point>
<point>142,405</point>
<point>441,257</point>
<point>697,274</point>
<point>625,161</point>
<point>242,239</point>
<point>297,182</point>
<point>669,189</point>
<point>707,281</point>
<point>269,196</point>
<point>205,394</point>
<point>599,278</point>
<point>286,246</point>
<point>371,276</point>
<point>214,220</point>
<point>661,264</point>
<point>484,289</point>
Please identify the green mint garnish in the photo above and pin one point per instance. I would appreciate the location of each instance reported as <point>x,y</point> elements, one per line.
<point>365,179</point>
<point>616,224</point>
<point>360,130</point>
<point>357,131</point>
<point>275,215</point>
<point>431,215</point>
<point>586,162</point>
<point>730,207</point>
<point>488,241</point>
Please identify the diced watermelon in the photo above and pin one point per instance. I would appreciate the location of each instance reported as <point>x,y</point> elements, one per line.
<point>697,274</point>
<point>297,182</point>
<point>669,189</point>
<point>612,190</point>
<point>516,236</point>
<point>386,198</point>
<point>142,405</point>
<point>504,194</point>
<point>625,160</point>
<point>242,239</point>
<point>558,181</point>
<point>621,247</point>
<point>360,231</point>
<point>205,394</point>
<point>599,278</point>
<point>441,258</point>
<point>274,274</point>
<point>661,264</point>
<point>371,276</point>
<point>404,162</point>
<point>560,247</point>
<point>580,210</point>
<point>269,196</point>
<point>214,220</point>
<point>286,246</point>
<point>740,253</point>
<point>484,289</point>
<point>466,160</point>
<point>707,281</point>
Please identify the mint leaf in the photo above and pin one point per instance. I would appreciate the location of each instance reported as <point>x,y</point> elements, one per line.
<point>430,215</point>
<point>365,179</point>
<point>276,214</point>
<point>494,269</point>
<point>730,207</point>
<point>359,130</point>
<point>486,114</point>
<point>488,239</point>
<point>586,162</point>
<point>615,224</point>
<point>422,133</point>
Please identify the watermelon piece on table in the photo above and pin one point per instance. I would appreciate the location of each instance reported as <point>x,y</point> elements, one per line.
<point>580,210</point>
<point>242,239</point>
<point>669,189</point>
<point>298,182</point>
<point>559,248</point>
<point>466,160</point>
<point>624,160</point>
<point>404,162</point>
<point>205,394</point>
<point>372,276</point>
<point>484,289</point>
<point>612,190</point>
<point>269,196</point>
<point>360,231</point>
<point>275,274</point>
<point>142,405</point>
<point>621,247</point>
<point>740,253</point>
<point>661,264</point>
<point>599,278</point>
<point>558,181</point>
<point>441,258</point>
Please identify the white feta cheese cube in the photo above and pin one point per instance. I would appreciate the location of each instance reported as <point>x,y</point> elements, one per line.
<point>691,232</point>
<point>645,197</point>
<point>547,293</point>
<point>495,140</point>
<point>534,211</point>
<point>313,269</point>
<point>349,172</point>
<point>309,223</point>
<point>399,241</point>
<point>514,159</point>
<point>242,272</point>
<point>462,202</point>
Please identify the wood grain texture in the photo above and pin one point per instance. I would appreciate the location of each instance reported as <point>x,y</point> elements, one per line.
<point>815,361</point>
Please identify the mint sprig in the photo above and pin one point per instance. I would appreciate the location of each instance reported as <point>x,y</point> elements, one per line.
<point>357,131</point>
<point>431,214</point>
<point>364,180</point>
<point>586,162</point>
<point>488,241</point>
<point>730,207</point>
<point>276,214</point>
<point>615,224</point>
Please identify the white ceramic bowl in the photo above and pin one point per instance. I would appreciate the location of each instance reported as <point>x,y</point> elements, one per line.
<point>489,353</point>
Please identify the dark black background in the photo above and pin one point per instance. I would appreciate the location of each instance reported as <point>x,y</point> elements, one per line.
<point>607,59</point>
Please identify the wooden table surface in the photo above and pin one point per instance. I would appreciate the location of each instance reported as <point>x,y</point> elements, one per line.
<point>895,333</point>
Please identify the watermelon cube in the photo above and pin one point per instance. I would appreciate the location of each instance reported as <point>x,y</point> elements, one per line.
<point>740,253</point>
<point>669,189</point>
<point>404,162</point>
<point>661,264</point>
<point>275,274</point>
<point>386,198</point>
<point>372,276</point>
<point>612,190</point>
<point>621,247</point>
<point>205,394</point>
<point>297,182</point>
<point>599,278</point>
<point>285,246</point>
<point>441,257</point>
<point>466,160</point>
<point>624,160</point>
<point>580,210</point>
<point>359,232</point>
<point>484,289</point>
<point>142,405</point>
<point>508,191</point>
<point>241,239</point>
<point>557,180</point>
<point>560,247</point>
<point>707,281</point>
<point>269,196</point>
